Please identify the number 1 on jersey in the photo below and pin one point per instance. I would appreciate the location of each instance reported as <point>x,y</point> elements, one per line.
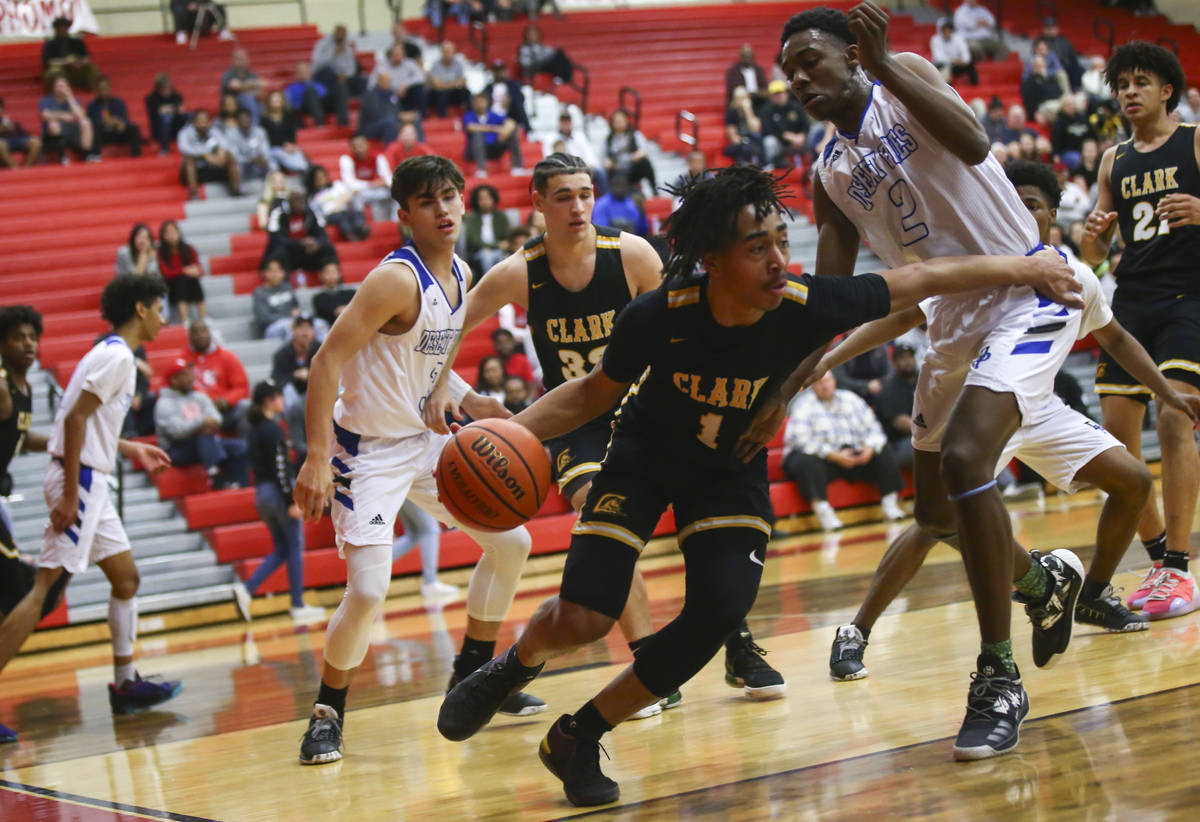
<point>710,424</point>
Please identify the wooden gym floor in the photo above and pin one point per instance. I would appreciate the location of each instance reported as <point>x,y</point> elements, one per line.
<point>1107,737</point>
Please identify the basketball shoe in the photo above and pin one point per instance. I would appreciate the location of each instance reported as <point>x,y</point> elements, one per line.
<point>518,704</point>
<point>656,708</point>
<point>1054,616</point>
<point>138,694</point>
<point>322,742</point>
<point>745,668</point>
<point>996,706</point>
<point>1137,600</point>
<point>576,762</point>
<point>1174,595</point>
<point>7,734</point>
<point>846,658</point>
<point>1109,613</point>
<point>471,703</point>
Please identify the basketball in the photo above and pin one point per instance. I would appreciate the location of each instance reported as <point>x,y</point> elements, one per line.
<point>493,475</point>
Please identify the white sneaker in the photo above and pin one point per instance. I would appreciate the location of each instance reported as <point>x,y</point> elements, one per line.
<point>828,519</point>
<point>226,35</point>
<point>241,600</point>
<point>180,38</point>
<point>307,613</point>
<point>653,709</point>
<point>891,507</point>
<point>438,590</point>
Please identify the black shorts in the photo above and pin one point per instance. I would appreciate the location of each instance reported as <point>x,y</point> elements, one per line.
<point>16,577</point>
<point>206,172</point>
<point>16,142</point>
<point>1168,328</point>
<point>633,488</point>
<point>575,458</point>
<point>184,289</point>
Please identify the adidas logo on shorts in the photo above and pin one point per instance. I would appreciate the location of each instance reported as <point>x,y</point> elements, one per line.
<point>919,421</point>
<point>377,520</point>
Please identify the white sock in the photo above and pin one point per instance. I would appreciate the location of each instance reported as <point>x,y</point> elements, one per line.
<point>122,624</point>
<point>123,673</point>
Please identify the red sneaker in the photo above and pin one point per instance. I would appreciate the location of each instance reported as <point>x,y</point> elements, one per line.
<point>1137,600</point>
<point>1174,595</point>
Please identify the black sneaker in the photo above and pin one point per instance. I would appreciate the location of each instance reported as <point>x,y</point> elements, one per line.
<point>322,742</point>
<point>996,706</point>
<point>518,704</point>
<point>845,661</point>
<point>138,694</point>
<point>471,703</point>
<point>745,668</point>
<point>1109,613</point>
<point>577,763</point>
<point>1054,617</point>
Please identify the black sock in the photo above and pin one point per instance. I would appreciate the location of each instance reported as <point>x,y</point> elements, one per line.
<point>636,645</point>
<point>1092,589</point>
<point>740,635</point>
<point>866,632</point>
<point>1156,547</point>
<point>333,697</point>
<point>1177,560</point>
<point>474,653</point>
<point>587,723</point>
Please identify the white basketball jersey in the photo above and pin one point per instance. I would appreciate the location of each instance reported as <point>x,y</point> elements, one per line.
<point>384,386</point>
<point>108,371</point>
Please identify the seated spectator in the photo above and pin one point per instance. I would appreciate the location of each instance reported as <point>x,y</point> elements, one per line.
<point>334,201</point>
<point>1107,123</point>
<point>367,174</point>
<point>65,125</point>
<point>139,422</point>
<point>289,370</point>
<point>489,135</point>
<point>68,57</point>
<point>535,57</point>
<point>333,297</point>
<point>743,131</point>
<point>697,166</point>
<point>180,267</point>
<point>218,373</point>
<point>1040,90</point>
<point>625,152</point>
<point>833,434</point>
<point>309,96</point>
<point>785,127</point>
<point>995,123</point>
<point>864,375</point>
<point>1093,83</point>
<point>1017,121</point>
<point>406,145</point>
<point>139,256</point>
<point>297,236</point>
<point>249,145</point>
<point>618,209</point>
<point>408,79</point>
<point>1042,49</point>
<point>1062,49</point>
<point>275,189</point>
<point>379,111</point>
<point>335,66</point>
<point>226,119</point>
<point>515,363</point>
<point>410,45</point>
<point>164,112</point>
<point>448,81</point>
<point>747,74</point>
<point>240,81</point>
<point>978,27</point>
<point>1188,108</point>
<point>279,124</point>
<point>893,403</point>
<point>186,14</point>
<point>484,228</point>
<point>205,158</point>
<point>189,426</point>
<point>1070,129</point>
<point>516,394</point>
<point>110,120</point>
<point>951,54</point>
<point>491,376</point>
<point>1076,202</point>
<point>567,140</point>
<point>274,302</point>
<point>506,95</point>
<point>15,140</point>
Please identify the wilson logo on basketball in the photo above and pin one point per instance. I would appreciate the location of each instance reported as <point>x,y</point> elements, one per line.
<point>497,462</point>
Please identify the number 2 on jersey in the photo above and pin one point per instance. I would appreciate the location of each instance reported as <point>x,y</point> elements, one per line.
<point>573,362</point>
<point>1143,215</point>
<point>902,197</point>
<point>710,424</point>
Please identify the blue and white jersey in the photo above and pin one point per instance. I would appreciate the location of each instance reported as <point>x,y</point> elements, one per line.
<point>108,371</point>
<point>384,386</point>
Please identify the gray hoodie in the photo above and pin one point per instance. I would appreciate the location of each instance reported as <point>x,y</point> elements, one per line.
<point>180,416</point>
<point>272,303</point>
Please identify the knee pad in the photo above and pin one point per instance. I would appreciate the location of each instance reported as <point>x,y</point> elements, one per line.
<point>496,575</point>
<point>368,574</point>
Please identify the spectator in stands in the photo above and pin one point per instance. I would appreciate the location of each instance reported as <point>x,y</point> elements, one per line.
<point>516,393</point>
<point>1062,48</point>
<point>139,422</point>
<point>1093,83</point>
<point>289,370</point>
<point>951,54</point>
<point>275,189</point>
<point>306,96</point>
<point>205,158</point>
<point>864,374</point>
<point>506,96</point>
<point>110,119</point>
<point>893,403</point>
<point>67,56</point>
<point>625,152</point>
<point>424,530</point>
<point>517,237</point>
<point>1042,49</point>
<point>743,131</point>
<point>189,427</point>
<point>1017,122</point>
<point>448,81</point>
<point>832,434</point>
<point>367,174</point>
<point>1088,166</point>
<point>978,27</point>
<point>379,111</point>
<point>406,145</point>
<point>489,135</point>
<point>218,372</point>
<point>619,209</point>
<point>138,256</point>
<point>785,127</point>
<point>250,147</point>
<point>1188,108</point>
<point>186,13</point>
<point>274,302</point>
<point>65,124</point>
<point>15,140</point>
<point>1107,124</point>
<point>515,363</point>
<point>996,124</point>
<point>747,74</point>
<point>226,119</point>
<point>1070,129</point>
<point>484,228</point>
<point>535,57</point>
<point>298,237</point>
<point>334,201</point>
<point>239,80</point>
<point>1040,90</point>
<point>180,267</point>
<point>1076,203</point>
<point>400,37</point>
<point>279,124</point>
<point>335,67</point>
<point>408,80</point>
<point>164,112</point>
<point>333,297</point>
<point>576,143</point>
<point>490,379</point>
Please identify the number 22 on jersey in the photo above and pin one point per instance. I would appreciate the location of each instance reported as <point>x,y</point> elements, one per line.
<point>1143,230</point>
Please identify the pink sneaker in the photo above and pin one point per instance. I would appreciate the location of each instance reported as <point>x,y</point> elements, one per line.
<point>1174,595</point>
<point>1137,600</point>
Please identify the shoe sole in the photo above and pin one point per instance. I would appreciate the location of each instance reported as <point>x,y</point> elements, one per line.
<point>1127,628</point>
<point>1187,609</point>
<point>1069,559</point>
<point>861,673</point>
<point>652,710</point>
<point>528,710</point>
<point>765,693</point>
<point>322,759</point>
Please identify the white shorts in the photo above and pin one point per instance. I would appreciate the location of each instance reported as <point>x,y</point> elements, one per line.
<point>1057,446</point>
<point>95,536</point>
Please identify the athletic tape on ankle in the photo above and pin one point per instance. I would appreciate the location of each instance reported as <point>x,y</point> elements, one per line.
<point>972,492</point>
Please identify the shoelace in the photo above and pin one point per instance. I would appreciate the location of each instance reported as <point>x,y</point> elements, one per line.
<point>1165,586</point>
<point>323,729</point>
<point>1151,580</point>
<point>981,688</point>
<point>850,647</point>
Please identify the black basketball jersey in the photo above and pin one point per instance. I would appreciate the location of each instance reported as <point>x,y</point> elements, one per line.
<point>700,380</point>
<point>13,429</point>
<point>571,328</point>
<point>1157,258</point>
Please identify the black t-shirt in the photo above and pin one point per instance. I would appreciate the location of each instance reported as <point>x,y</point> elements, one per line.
<point>895,398</point>
<point>698,394</point>
<point>56,49</point>
<point>268,451</point>
<point>279,131</point>
<point>789,117</point>
<point>285,363</point>
<point>327,302</point>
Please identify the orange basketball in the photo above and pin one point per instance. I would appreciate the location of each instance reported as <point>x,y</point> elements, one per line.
<point>493,475</point>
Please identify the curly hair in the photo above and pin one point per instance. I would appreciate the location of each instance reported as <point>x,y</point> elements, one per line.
<point>1039,175</point>
<point>12,316</point>
<point>119,302</point>
<point>830,21</point>
<point>1138,54</point>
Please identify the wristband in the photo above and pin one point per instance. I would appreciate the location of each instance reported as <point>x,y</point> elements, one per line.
<point>457,387</point>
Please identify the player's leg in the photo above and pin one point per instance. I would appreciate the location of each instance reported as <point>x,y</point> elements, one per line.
<point>20,622</point>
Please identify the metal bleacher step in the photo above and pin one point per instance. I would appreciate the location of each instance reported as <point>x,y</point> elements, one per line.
<point>156,602</point>
<point>196,559</point>
<point>164,582</point>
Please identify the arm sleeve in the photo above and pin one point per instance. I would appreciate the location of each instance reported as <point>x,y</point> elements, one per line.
<point>837,304</point>
<point>634,337</point>
<point>109,372</point>
<point>458,386</point>
<point>1096,311</point>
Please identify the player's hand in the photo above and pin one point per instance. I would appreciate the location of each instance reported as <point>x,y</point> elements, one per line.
<point>1047,272</point>
<point>314,488</point>
<point>762,429</point>
<point>482,408</point>
<point>434,412</point>
<point>152,458</point>
<point>1097,223</point>
<point>1187,403</point>
<point>1179,210</point>
<point>870,23</point>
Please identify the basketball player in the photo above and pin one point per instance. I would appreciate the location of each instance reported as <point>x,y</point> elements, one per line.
<point>368,448</point>
<point>701,349</point>
<point>84,526</point>
<point>573,281</point>
<point>1149,186</point>
<point>1058,442</point>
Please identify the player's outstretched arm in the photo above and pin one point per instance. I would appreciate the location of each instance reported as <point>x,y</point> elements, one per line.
<point>866,337</point>
<point>1046,271</point>
<point>1130,355</point>
<point>572,404</point>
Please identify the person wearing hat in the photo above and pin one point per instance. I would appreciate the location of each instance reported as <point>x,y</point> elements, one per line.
<point>785,126</point>
<point>189,428</point>
<point>950,53</point>
<point>893,402</point>
<point>67,56</point>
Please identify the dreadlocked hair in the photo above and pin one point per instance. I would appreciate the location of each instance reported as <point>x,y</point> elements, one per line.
<point>1149,57</point>
<point>707,217</point>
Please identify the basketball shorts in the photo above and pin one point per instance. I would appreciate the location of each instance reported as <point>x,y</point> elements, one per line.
<point>1169,330</point>
<point>575,458</point>
<point>628,496</point>
<point>97,532</point>
<point>1061,443</point>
